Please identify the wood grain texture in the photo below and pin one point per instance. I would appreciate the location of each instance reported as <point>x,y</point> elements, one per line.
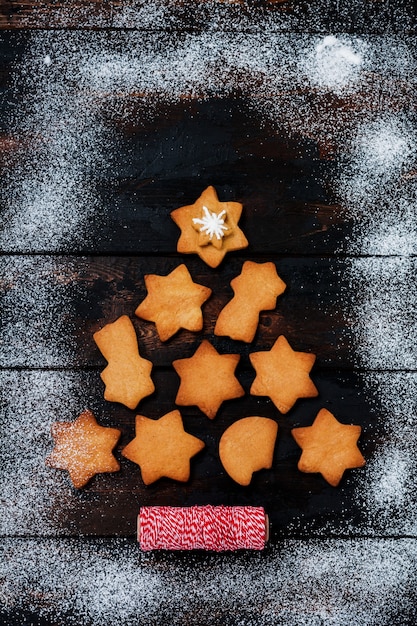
<point>298,504</point>
<point>160,155</point>
<point>372,16</point>
<point>315,313</point>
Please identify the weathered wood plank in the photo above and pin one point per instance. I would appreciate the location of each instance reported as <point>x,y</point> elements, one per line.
<point>92,582</point>
<point>333,307</point>
<point>40,501</point>
<point>158,156</point>
<point>375,16</point>
<point>168,161</point>
<point>52,307</point>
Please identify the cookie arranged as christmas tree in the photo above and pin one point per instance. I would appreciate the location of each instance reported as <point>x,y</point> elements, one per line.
<point>207,379</point>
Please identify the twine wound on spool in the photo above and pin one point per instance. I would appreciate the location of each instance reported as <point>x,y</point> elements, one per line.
<point>215,528</point>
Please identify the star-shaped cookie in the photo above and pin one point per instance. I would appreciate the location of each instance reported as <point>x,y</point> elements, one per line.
<point>173,302</point>
<point>329,447</point>
<point>256,289</point>
<point>209,228</point>
<point>283,375</point>
<point>83,448</point>
<point>207,379</point>
<point>162,448</point>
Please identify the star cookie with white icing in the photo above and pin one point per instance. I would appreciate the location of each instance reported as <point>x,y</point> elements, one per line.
<point>209,228</point>
<point>329,447</point>
<point>83,448</point>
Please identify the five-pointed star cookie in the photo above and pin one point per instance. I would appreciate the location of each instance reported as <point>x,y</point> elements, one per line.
<point>83,448</point>
<point>162,448</point>
<point>209,228</point>
<point>173,302</point>
<point>283,375</point>
<point>329,447</point>
<point>207,379</point>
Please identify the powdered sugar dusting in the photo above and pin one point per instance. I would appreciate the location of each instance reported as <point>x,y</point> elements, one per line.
<point>387,495</point>
<point>36,316</point>
<point>378,189</point>
<point>50,198</point>
<point>294,584</point>
<point>33,496</point>
<point>386,318</point>
<point>335,64</point>
<point>51,193</point>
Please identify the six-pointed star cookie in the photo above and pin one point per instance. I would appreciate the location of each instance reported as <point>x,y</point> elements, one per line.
<point>173,302</point>
<point>209,228</point>
<point>207,379</point>
<point>162,448</point>
<point>283,375</point>
<point>83,448</point>
<point>329,447</point>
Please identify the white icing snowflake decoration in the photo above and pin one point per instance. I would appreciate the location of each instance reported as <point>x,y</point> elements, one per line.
<point>212,224</point>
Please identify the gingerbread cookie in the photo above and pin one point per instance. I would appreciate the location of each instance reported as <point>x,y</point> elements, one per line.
<point>256,289</point>
<point>329,447</point>
<point>162,448</point>
<point>207,379</point>
<point>83,448</point>
<point>283,375</point>
<point>127,376</point>
<point>248,446</point>
<point>209,228</point>
<point>173,302</point>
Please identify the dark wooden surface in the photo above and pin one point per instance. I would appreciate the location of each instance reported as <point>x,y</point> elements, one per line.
<point>290,217</point>
<point>370,16</point>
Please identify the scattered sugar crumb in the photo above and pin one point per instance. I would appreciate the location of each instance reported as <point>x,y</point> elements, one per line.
<point>50,198</point>
<point>295,583</point>
<point>335,63</point>
<point>34,497</point>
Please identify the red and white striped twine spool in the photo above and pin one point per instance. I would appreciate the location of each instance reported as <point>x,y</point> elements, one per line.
<point>216,528</point>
